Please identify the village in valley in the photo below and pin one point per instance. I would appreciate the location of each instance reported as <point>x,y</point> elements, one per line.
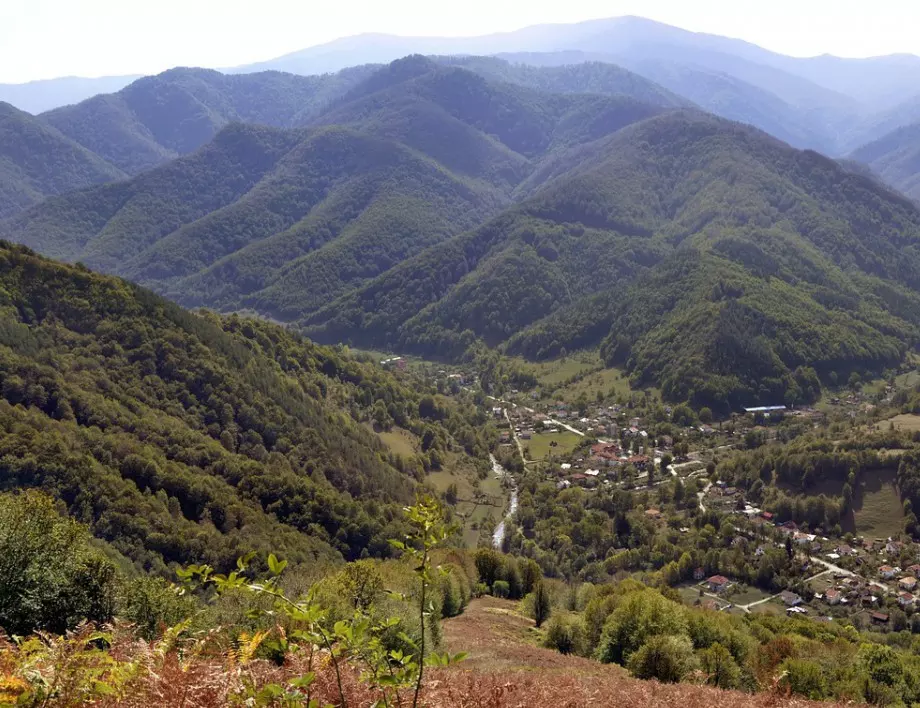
<point>590,431</point>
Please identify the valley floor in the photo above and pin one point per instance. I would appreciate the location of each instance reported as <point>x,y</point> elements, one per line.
<point>507,668</point>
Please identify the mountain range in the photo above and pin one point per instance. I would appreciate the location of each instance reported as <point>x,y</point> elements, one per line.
<point>833,105</point>
<point>433,203</point>
<point>37,160</point>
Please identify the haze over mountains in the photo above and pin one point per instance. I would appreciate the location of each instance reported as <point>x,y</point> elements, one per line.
<point>825,103</point>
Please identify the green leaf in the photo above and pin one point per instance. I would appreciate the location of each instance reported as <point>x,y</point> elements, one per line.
<point>304,681</point>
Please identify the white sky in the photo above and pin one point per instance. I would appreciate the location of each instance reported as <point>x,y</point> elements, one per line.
<point>48,38</point>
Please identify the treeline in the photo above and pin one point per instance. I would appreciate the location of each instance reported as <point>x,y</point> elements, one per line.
<point>656,637</point>
<point>784,478</point>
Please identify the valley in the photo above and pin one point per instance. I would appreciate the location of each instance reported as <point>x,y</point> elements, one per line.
<point>572,365</point>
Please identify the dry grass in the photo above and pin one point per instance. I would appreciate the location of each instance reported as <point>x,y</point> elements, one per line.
<point>506,669</point>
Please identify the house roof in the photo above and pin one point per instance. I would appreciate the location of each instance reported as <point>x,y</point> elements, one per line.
<point>717,580</point>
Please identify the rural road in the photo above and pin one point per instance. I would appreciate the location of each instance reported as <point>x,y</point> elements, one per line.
<point>700,495</point>
<point>567,427</point>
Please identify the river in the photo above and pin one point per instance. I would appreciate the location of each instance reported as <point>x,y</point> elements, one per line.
<point>499,536</point>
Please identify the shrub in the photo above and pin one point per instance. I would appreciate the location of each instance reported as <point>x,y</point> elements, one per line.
<point>500,589</point>
<point>541,606</point>
<point>720,667</point>
<point>565,634</point>
<point>667,658</point>
<point>639,616</point>
<point>52,577</point>
<point>804,678</point>
<point>152,604</point>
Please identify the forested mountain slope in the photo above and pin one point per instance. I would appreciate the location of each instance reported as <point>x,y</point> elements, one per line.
<point>569,72</point>
<point>895,157</point>
<point>182,438</point>
<point>157,118</point>
<point>283,221</point>
<point>36,160</point>
<point>708,257</point>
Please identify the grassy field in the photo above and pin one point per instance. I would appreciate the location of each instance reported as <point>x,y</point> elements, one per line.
<point>877,509</point>
<point>479,501</point>
<point>774,607</point>
<point>400,441</point>
<point>908,380</point>
<point>905,421</point>
<point>746,594</point>
<point>539,446</point>
<point>553,373</point>
<point>603,381</point>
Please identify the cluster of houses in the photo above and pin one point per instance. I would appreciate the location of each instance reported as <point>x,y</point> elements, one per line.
<point>394,362</point>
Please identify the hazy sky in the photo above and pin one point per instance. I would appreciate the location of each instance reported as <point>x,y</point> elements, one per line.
<point>49,38</point>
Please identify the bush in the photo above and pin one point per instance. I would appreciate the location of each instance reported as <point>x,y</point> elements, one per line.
<point>152,605</point>
<point>720,667</point>
<point>566,634</point>
<point>804,678</point>
<point>639,616</point>
<point>667,658</point>
<point>540,606</point>
<point>500,589</point>
<point>452,599</point>
<point>51,578</point>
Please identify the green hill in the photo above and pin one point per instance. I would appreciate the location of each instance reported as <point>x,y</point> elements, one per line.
<point>157,118</point>
<point>572,76</point>
<point>182,438</point>
<point>703,255</point>
<point>283,221</point>
<point>895,158</point>
<point>36,161</point>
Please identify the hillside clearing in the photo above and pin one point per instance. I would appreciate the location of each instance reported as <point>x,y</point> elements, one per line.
<point>506,667</point>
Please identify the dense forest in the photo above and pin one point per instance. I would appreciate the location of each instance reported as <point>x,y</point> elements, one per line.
<point>895,157</point>
<point>701,255</point>
<point>36,161</point>
<point>179,437</point>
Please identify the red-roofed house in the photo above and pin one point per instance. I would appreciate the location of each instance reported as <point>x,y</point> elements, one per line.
<point>717,583</point>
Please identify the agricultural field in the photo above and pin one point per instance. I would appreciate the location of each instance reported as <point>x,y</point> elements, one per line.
<point>603,381</point>
<point>576,376</point>
<point>540,445</point>
<point>556,371</point>
<point>742,594</point>
<point>877,508</point>
<point>905,421</point>
<point>480,502</point>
